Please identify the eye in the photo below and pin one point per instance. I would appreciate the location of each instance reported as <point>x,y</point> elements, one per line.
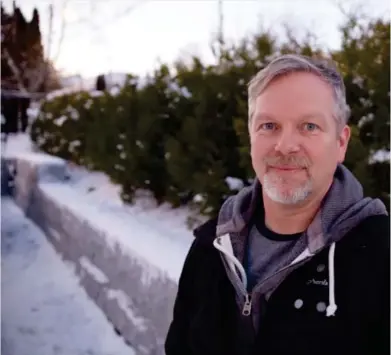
<point>310,127</point>
<point>268,126</point>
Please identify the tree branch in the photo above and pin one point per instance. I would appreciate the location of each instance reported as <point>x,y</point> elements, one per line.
<point>15,70</point>
<point>62,31</point>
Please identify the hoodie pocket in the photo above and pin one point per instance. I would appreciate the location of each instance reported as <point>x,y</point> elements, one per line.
<point>297,313</point>
<point>213,324</point>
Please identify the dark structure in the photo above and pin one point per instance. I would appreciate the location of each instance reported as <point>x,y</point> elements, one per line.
<point>22,67</point>
<point>14,107</point>
<point>101,83</point>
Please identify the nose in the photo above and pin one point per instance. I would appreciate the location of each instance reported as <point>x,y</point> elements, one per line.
<point>287,143</point>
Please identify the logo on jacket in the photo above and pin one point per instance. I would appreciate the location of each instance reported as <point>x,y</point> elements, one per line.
<point>318,282</point>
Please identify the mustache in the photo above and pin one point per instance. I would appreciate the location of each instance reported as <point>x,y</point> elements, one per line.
<point>291,161</point>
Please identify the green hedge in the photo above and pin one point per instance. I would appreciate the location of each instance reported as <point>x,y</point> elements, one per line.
<point>181,132</point>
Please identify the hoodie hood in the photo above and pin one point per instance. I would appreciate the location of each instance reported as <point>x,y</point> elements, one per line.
<point>342,209</point>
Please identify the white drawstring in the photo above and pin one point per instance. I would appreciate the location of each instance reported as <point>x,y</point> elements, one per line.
<point>332,307</point>
<point>224,245</point>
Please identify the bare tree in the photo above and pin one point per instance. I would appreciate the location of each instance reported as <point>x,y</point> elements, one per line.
<point>30,76</point>
<point>33,69</point>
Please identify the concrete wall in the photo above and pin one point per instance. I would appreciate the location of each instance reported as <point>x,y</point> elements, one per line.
<point>136,297</point>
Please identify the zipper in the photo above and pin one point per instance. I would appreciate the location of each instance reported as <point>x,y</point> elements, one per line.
<point>295,264</point>
<point>238,284</point>
<point>246,311</point>
<point>247,306</point>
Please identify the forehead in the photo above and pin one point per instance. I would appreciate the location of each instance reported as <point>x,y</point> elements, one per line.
<point>300,93</point>
<point>315,116</point>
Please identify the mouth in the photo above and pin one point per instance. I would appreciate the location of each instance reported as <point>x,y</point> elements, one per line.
<point>286,168</point>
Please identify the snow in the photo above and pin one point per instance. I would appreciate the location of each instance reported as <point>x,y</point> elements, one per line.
<point>39,158</point>
<point>365,119</point>
<point>139,144</point>
<point>157,236</point>
<point>116,79</point>
<point>59,121</point>
<point>73,81</point>
<point>33,111</point>
<point>114,91</point>
<point>73,145</point>
<point>19,147</point>
<point>61,92</point>
<point>16,143</point>
<point>181,90</point>
<point>234,184</point>
<point>126,305</point>
<point>359,81</point>
<point>93,270</point>
<point>96,187</point>
<point>380,156</point>
<point>73,112</point>
<point>73,85</point>
<point>88,104</point>
<point>96,93</point>
<point>161,233</point>
<point>44,309</point>
<point>198,198</point>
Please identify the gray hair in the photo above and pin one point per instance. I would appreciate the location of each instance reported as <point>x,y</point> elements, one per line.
<point>290,63</point>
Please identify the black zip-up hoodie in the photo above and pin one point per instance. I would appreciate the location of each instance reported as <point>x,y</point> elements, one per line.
<point>333,297</point>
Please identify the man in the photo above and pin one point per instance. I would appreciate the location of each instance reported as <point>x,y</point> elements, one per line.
<point>297,263</point>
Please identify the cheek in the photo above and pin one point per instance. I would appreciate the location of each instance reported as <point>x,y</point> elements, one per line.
<point>324,158</point>
<point>258,153</point>
<point>325,152</point>
<point>258,149</point>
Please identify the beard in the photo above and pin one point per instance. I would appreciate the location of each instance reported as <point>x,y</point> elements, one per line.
<point>278,190</point>
<point>286,188</point>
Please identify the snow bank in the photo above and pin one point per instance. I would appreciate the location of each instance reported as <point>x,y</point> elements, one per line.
<point>15,144</point>
<point>62,92</point>
<point>128,259</point>
<point>45,310</point>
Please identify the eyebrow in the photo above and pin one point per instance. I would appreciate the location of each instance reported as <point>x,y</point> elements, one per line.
<point>264,116</point>
<point>315,115</point>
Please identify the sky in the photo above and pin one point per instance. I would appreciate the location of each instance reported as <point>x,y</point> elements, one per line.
<point>133,35</point>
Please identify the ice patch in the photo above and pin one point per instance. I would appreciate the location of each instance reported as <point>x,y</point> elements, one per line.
<point>125,304</point>
<point>93,270</point>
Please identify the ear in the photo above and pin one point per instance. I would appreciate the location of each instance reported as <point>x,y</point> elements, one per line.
<point>343,141</point>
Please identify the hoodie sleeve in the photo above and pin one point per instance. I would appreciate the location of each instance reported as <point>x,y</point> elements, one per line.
<point>176,340</point>
<point>380,327</point>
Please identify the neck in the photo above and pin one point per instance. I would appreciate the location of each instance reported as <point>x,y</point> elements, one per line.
<point>291,219</point>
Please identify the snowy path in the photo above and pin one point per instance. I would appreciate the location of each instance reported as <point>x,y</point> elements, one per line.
<point>44,309</point>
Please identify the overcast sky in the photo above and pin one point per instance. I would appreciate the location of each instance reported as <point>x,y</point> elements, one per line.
<point>131,35</point>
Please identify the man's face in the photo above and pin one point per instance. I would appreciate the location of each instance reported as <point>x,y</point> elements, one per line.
<point>295,142</point>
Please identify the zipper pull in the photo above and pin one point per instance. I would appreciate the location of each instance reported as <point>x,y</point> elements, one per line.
<point>247,306</point>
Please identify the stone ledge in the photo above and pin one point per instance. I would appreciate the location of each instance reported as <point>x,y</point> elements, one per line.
<point>135,295</point>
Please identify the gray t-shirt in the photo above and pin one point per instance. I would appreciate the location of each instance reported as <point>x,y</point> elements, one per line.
<point>269,251</point>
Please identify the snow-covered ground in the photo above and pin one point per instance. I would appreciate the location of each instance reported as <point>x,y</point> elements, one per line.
<point>161,232</point>
<point>95,188</point>
<point>16,144</point>
<point>156,236</point>
<point>44,309</point>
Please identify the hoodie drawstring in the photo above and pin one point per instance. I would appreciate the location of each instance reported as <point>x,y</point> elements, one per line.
<point>332,307</point>
<point>223,244</point>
